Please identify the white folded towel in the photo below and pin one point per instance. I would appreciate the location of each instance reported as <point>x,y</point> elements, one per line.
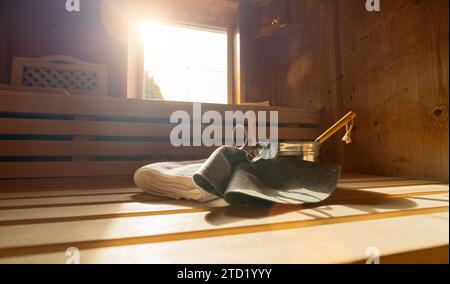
<point>173,180</point>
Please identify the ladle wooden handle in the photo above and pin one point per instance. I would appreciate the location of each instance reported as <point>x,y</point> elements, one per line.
<point>335,128</point>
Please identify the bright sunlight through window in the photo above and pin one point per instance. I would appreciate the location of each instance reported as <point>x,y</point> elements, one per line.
<point>185,64</point>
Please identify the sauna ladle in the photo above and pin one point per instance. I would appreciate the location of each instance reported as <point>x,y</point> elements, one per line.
<point>309,151</point>
<point>336,127</point>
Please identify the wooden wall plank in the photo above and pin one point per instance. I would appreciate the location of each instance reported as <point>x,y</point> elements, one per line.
<point>296,66</point>
<point>46,28</point>
<point>395,76</point>
<point>4,42</point>
<point>391,67</point>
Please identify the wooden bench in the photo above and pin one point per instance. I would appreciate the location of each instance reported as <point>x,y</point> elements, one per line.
<point>65,181</point>
<point>54,136</point>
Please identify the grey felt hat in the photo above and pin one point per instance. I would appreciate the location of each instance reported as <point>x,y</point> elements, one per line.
<point>228,174</point>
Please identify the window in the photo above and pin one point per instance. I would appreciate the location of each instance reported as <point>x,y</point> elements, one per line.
<point>185,64</point>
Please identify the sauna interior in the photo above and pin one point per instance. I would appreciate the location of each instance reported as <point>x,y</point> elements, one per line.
<point>81,112</point>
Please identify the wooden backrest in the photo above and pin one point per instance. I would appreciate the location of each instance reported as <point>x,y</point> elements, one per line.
<point>53,136</point>
<point>61,72</point>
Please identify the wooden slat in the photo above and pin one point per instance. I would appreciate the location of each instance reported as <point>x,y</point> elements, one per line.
<point>48,184</point>
<point>383,184</point>
<point>43,226</point>
<point>68,169</point>
<point>396,191</point>
<point>46,202</point>
<point>29,148</point>
<point>347,177</point>
<point>203,224</point>
<point>17,126</point>
<point>411,189</point>
<point>343,189</point>
<point>131,209</point>
<point>67,192</point>
<point>96,148</point>
<point>397,240</point>
<point>308,134</point>
<point>16,102</point>
<point>104,211</point>
<point>66,183</point>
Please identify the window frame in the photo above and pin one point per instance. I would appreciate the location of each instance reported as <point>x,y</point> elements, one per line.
<point>136,57</point>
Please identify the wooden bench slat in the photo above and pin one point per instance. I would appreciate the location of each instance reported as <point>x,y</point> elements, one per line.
<point>128,208</point>
<point>123,210</point>
<point>67,192</point>
<point>7,194</point>
<point>30,148</point>
<point>369,179</point>
<point>87,121</point>
<point>205,224</point>
<point>17,126</point>
<point>398,242</point>
<point>383,184</point>
<point>50,184</point>
<point>69,169</point>
<point>64,183</point>
<point>46,202</point>
<point>97,148</point>
<point>16,102</point>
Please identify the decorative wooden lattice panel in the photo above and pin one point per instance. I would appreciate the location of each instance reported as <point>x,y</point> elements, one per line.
<point>59,78</point>
<point>62,72</point>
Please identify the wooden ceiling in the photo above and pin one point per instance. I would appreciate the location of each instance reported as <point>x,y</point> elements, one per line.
<point>219,13</point>
<point>119,15</point>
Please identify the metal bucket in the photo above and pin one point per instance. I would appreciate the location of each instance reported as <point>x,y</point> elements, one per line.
<point>310,151</point>
<point>307,151</point>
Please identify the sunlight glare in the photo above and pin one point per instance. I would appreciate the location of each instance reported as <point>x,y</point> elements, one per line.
<point>188,64</point>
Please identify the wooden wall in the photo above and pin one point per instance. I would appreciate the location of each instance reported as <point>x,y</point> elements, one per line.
<point>4,24</point>
<point>212,13</point>
<point>295,67</point>
<point>391,67</point>
<point>99,32</point>
<point>219,14</point>
<point>44,27</point>
<point>395,76</point>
